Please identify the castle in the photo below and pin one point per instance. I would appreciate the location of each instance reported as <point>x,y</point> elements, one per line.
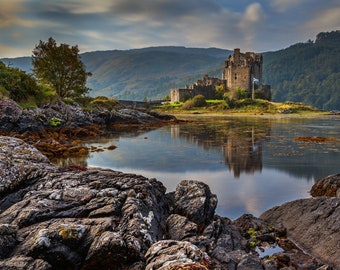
<point>242,70</point>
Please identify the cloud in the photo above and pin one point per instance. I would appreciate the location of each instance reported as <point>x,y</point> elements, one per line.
<point>324,20</point>
<point>284,5</point>
<point>126,24</point>
<point>8,13</point>
<point>163,9</point>
<point>189,23</point>
<point>251,22</point>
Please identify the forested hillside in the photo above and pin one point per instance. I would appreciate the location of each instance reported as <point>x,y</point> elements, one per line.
<point>150,72</point>
<point>304,72</point>
<point>307,72</point>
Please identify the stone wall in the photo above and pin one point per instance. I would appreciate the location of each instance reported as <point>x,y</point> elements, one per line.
<point>205,87</point>
<point>241,68</point>
<point>181,94</point>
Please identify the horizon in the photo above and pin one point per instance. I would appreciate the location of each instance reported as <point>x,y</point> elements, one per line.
<point>169,46</point>
<point>262,26</point>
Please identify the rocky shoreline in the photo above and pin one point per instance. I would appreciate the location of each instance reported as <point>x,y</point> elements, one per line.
<point>94,218</point>
<point>102,219</point>
<point>58,129</point>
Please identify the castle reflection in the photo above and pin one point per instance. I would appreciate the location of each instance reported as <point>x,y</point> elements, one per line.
<point>240,144</point>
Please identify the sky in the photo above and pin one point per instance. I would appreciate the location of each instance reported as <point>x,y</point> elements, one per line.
<point>93,25</point>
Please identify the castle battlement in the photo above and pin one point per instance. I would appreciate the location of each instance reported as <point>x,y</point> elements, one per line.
<point>241,68</point>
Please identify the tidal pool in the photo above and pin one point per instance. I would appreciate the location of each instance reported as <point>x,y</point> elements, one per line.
<point>250,163</point>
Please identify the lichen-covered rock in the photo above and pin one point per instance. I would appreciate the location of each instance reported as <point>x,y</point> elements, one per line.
<point>170,254</point>
<point>328,186</point>
<point>249,261</point>
<point>92,218</point>
<point>8,239</point>
<point>194,200</point>
<point>179,227</point>
<point>59,114</point>
<point>82,217</point>
<point>10,112</point>
<point>24,263</point>
<point>19,163</point>
<point>76,218</point>
<point>313,224</point>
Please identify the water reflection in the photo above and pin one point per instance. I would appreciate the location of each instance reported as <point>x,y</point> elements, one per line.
<point>251,164</point>
<point>241,144</point>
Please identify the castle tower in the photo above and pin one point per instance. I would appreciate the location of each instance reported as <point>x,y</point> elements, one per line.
<point>241,68</point>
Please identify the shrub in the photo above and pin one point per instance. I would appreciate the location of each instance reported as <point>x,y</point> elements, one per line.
<point>68,101</point>
<point>189,104</point>
<point>199,101</point>
<point>108,103</point>
<point>46,94</point>
<point>55,122</point>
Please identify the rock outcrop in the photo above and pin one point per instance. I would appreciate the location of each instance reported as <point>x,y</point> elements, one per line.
<point>312,224</point>
<point>15,119</point>
<point>92,218</point>
<point>70,219</point>
<point>328,186</point>
<point>57,129</point>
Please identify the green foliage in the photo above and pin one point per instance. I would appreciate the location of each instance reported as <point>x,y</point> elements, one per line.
<point>189,104</point>
<point>236,94</point>
<point>252,105</point>
<point>60,67</point>
<point>55,122</point>
<point>294,107</point>
<point>306,72</point>
<point>104,102</point>
<point>3,91</point>
<point>196,101</point>
<point>68,101</point>
<point>241,93</point>
<point>220,91</point>
<point>23,88</point>
<point>16,84</point>
<point>46,94</point>
<point>199,101</point>
<point>217,105</point>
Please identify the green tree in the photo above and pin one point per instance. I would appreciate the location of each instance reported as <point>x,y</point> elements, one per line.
<point>60,67</point>
<point>220,91</point>
<point>199,101</point>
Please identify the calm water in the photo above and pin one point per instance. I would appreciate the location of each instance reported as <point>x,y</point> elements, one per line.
<point>252,164</point>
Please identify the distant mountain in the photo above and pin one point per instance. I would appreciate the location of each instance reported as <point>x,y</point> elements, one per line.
<point>304,72</point>
<point>143,73</point>
<point>150,72</point>
<point>23,63</point>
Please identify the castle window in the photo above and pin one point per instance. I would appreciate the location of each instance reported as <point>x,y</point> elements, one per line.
<point>235,76</point>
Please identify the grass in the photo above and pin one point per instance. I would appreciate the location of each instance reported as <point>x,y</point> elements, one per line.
<point>243,106</point>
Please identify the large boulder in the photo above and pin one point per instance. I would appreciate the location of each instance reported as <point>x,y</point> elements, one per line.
<point>170,254</point>
<point>313,224</point>
<point>328,186</point>
<point>194,200</point>
<point>20,164</point>
<point>84,218</point>
<point>10,112</point>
